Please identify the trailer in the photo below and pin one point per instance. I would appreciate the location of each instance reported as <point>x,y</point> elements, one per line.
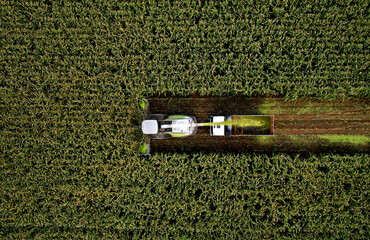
<point>242,125</point>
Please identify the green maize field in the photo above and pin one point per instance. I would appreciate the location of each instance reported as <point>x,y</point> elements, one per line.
<point>70,73</point>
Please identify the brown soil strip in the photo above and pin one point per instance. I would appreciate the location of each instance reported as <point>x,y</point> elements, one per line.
<point>300,118</point>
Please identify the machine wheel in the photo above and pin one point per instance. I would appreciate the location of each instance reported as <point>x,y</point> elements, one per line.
<point>158,117</point>
<point>161,136</point>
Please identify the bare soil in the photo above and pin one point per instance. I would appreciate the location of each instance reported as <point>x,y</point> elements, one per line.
<point>304,119</point>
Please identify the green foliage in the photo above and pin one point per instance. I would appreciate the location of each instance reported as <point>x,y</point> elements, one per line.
<point>69,71</point>
<point>294,49</point>
<point>177,195</point>
<point>352,139</point>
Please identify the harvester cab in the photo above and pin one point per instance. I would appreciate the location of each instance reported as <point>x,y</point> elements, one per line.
<point>160,126</point>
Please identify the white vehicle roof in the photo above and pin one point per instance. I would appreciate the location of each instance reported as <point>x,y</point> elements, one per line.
<point>150,126</point>
<point>181,126</point>
<point>218,130</point>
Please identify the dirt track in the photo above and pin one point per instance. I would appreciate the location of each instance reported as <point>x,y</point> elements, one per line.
<point>297,124</point>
